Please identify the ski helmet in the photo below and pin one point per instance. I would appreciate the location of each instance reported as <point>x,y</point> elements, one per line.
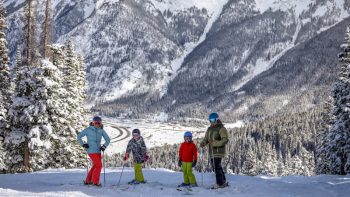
<point>213,117</point>
<point>97,119</point>
<point>136,131</point>
<point>188,134</point>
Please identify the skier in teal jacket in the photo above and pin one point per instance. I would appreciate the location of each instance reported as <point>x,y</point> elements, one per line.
<point>94,134</point>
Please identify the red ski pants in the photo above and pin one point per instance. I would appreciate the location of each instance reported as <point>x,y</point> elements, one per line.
<point>95,171</point>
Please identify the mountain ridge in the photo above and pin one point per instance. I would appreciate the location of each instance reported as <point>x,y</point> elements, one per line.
<point>139,56</point>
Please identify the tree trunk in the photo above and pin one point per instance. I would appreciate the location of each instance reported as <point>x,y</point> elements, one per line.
<point>29,31</point>
<point>47,31</point>
<point>26,157</point>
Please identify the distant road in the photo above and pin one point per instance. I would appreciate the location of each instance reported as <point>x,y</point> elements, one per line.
<point>123,133</point>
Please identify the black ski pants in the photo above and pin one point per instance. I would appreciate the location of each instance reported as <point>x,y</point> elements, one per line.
<point>219,172</point>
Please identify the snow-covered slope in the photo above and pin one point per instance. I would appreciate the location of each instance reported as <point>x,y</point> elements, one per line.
<point>161,182</point>
<point>247,40</point>
<point>215,9</point>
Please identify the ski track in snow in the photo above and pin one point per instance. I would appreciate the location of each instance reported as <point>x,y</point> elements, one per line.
<point>162,182</point>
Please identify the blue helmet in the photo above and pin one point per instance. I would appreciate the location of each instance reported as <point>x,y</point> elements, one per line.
<point>188,134</point>
<point>213,117</point>
<point>97,119</point>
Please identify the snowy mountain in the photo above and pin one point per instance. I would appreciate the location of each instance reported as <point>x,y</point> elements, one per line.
<point>193,57</point>
<point>163,182</point>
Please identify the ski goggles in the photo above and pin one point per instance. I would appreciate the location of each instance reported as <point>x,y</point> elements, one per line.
<point>97,123</point>
<point>212,120</point>
<point>188,138</point>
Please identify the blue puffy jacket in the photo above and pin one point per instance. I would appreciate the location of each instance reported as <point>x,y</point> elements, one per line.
<point>94,136</point>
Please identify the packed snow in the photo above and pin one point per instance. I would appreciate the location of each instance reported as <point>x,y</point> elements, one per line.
<point>162,182</point>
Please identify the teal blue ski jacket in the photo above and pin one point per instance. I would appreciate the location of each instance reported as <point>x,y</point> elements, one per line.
<point>94,137</point>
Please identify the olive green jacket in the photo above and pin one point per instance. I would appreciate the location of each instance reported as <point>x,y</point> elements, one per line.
<point>218,136</point>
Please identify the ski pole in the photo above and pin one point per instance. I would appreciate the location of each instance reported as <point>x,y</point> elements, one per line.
<point>87,166</point>
<point>202,167</point>
<point>213,160</point>
<point>104,168</point>
<point>121,174</point>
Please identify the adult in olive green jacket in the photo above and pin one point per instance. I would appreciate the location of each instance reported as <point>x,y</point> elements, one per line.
<point>216,137</point>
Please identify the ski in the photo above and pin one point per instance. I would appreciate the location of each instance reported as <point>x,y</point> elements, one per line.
<point>185,190</point>
<point>218,187</point>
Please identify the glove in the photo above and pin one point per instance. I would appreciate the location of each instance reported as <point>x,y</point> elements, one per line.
<point>146,157</point>
<point>180,163</point>
<point>194,163</point>
<point>126,157</point>
<point>103,148</point>
<point>86,145</point>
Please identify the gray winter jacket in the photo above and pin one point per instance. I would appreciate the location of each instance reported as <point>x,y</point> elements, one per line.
<point>138,149</point>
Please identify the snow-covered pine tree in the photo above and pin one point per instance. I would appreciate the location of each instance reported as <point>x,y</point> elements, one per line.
<point>269,162</point>
<point>322,162</point>
<point>249,164</point>
<point>18,139</point>
<point>42,121</point>
<point>338,150</point>
<point>67,152</point>
<point>29,140</point>
<point>74,82</point>
<point>81,79</point>
<point>18,69</point>
<point>43,124</point>
<point>5,84</point>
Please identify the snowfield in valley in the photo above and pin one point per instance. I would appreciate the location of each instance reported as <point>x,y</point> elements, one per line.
<point>154,133</point>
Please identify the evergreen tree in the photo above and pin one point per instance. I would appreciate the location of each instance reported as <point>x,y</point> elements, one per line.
<point>41,119</point>
<point>322,162</point>
<point>20,114</point>
<point>81,79</point>
<point>339,134</point>
<point>75,85</point>
<point>67,151</point>
<point>5,83</point>
<point>47,110</point>
<point>249,165</point>
<point>18,69</point>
